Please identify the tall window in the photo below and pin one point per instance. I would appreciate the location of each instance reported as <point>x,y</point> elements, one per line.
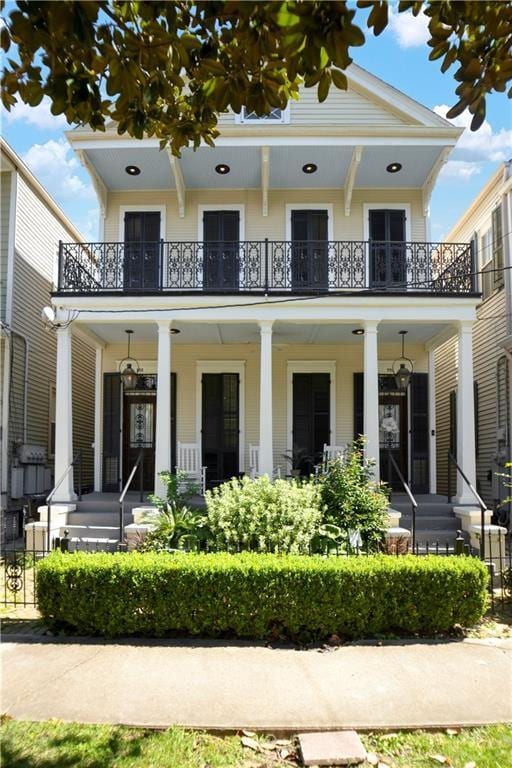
<point>503,401</point>
<point>497,247</point>
<point>51,419</point>
<point>276,115</point>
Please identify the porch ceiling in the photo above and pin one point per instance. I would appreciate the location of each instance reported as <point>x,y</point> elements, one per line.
<point>248,333</point>
<point>285,166</point>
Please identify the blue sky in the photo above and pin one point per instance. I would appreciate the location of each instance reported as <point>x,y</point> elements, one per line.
<point>399,56</point>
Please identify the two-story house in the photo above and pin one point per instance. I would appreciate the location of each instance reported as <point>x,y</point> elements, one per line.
<point>272,286</point>
<point>31,226</point>
<point>487,224</point>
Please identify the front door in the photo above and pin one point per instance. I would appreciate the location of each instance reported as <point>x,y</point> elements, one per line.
<point>221,260</point>
<point>139,426</point>
<point>311,419</point>
<point>388,268</point>
<point>220,426</point>
<point>392,432</point>
<point>141,251</point>
<point>309,250</point>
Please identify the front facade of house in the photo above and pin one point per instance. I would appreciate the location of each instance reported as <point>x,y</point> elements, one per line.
<point>266,283</point>
<point>487,224</point>
<point>31,226</point>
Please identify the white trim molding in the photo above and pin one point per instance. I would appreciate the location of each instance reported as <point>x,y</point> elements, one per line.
<point>351,178</point>
<point>222,366</point>
<point>310,366</point>
<point>179,182</point>
<point>289,207</point>
<point>161,209</point>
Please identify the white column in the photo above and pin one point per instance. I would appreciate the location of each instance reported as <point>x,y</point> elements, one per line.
<point>64,418</point>
<point>98,411</point>
<point>465,414</point>
<point>266,457</point>
<point>371,395</point>
<point>163,407</point>
<point>432,459</point>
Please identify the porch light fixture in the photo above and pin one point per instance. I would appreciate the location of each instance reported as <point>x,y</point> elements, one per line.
<point>132,170</point>
<point>222,168</point>
<point>309,168</point>
<point>128,374</point>
<point>358,331</point>
<point>402,368</point>
<point>394,167</point>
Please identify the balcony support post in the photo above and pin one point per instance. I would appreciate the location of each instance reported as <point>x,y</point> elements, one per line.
<point>371,396</point>
<point>266,457</point>
<point>465,414</point>
<point>163,407</point>
<point>64,417</point>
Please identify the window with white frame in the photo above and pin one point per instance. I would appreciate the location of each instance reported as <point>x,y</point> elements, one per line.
<point>276,115</point>
<point>486,246</point>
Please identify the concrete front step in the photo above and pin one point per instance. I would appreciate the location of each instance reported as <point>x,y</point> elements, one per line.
<point>437,537</point>
<point>90,531</point>
<point>432,523</point>
<point>93,544</point>
<point>109,519</point>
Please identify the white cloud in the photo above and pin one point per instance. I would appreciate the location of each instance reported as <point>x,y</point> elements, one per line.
<point>481,145</point>
<point>409,31</point>
<point>88,224</point>
<point>40,116</point>
<point>55,167</point>
<point>460,169</point>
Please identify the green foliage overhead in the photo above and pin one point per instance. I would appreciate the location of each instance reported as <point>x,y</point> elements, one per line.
<point>167,69</point>
<point>256,596</point>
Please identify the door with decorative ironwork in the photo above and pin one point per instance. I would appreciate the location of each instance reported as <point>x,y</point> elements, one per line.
<point>392,431</point>
<point>141,251</point>
<point>220,426</point>
<point>221,261</point>
<point>139,426</point>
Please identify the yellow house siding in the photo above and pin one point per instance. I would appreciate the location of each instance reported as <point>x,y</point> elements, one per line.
<point>340,108</point>
<point>348,359</point>
<point>257,226</point>
<point>446,382</point>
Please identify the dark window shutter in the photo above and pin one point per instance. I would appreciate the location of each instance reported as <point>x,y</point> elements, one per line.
<point>231,226</point>
<point>477,421</point>
<point>299,225</point>
<point>111,432</point>
<point>419,432</point>
<point>497,246</point>
<point>211,226</point>
<point>358,404</point>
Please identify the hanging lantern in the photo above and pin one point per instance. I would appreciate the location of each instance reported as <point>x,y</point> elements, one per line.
<point>129,375</point>
<point>403,368</point>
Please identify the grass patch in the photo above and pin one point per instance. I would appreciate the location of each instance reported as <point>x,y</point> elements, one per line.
<point>54,744</point>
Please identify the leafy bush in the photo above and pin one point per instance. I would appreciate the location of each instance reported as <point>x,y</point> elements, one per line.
<point>353,502</point>
<point>252,595</point>
<point>258,514</point>
<point>175,528</point>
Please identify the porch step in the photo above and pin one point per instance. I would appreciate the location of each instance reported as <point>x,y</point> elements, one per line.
<point>92,544</point>
<point>98,518</point>
<point>432,522</point>
<point>90,531</point>
<point>433,538</point>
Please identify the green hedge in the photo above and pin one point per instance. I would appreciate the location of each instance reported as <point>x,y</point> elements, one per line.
<point>252,595</point>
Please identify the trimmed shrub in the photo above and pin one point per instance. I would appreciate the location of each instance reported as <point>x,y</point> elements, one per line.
<point>253,595</point>
<point>257,514</point>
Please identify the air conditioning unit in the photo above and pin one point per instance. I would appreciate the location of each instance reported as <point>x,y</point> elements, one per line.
<point>17,475</point>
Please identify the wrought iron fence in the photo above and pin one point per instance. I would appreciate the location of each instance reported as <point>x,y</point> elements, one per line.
<point>266,266</point>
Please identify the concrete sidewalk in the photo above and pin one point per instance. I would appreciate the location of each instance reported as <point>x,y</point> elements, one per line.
<point>221,685</point>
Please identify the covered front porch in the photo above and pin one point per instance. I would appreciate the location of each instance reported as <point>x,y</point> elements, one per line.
<point>283,378</point>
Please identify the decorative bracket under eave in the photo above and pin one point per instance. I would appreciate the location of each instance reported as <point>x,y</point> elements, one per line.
<point>351,177</point>
<point>97,181</point>
<point>178,180</point>
<point>265,179</point>
<point>428,186</point>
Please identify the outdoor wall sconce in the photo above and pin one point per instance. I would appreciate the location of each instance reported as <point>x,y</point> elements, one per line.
<point>402,368</point>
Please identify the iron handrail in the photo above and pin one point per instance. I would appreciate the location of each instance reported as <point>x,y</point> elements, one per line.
<point>77,459</point>
<point>414,503</point>
<point>481,503</point>
<point>140,465</point>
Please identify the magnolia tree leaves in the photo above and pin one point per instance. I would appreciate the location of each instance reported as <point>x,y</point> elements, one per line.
<point>168,69</point>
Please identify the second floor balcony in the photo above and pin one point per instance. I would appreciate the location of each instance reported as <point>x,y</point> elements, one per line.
<point>266,267</point>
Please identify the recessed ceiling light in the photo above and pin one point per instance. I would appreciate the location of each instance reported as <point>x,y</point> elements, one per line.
<point>309,168</point>
<point>222,168</point>
<point>174,331</point>
<point>394,167</point>
<point>358,331</point>
<point>132,170</point>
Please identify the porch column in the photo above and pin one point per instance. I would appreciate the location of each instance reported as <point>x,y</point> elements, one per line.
<point>163,406</point>
<point>98,410</point>
<point>266,457</point>
<point>465,414</point>
<point>371,395</point>
<point>432,459</point>
<point>64,418</point>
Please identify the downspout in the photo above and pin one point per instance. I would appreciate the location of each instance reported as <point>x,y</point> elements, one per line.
<point>25,378</point>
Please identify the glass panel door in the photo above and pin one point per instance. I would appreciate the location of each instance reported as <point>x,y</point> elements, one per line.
<point>387,250</point>
<point>141,250</point>
<point>309,250</point>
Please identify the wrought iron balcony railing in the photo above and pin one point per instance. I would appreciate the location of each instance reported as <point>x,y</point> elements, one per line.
<point>266,266</point>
